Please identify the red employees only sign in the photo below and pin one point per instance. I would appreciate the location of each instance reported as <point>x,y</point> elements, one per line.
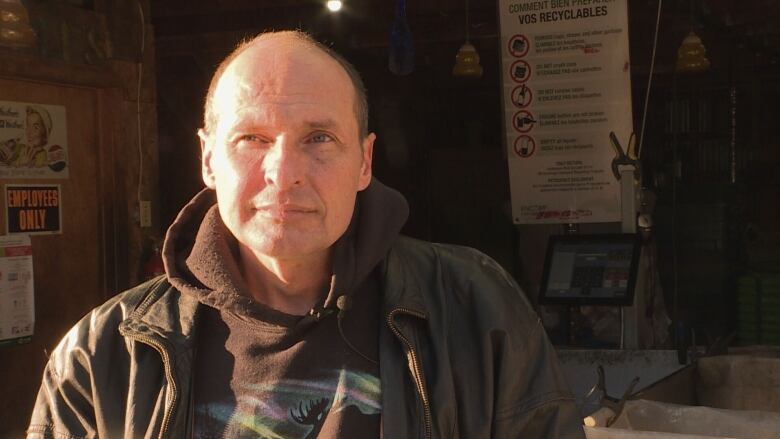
<point>33,209</point>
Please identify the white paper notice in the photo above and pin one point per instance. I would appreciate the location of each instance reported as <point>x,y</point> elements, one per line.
<point>17,307</point>
<point>567,84</point>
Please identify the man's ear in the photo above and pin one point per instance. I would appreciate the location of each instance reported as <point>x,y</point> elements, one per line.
<point>368,156</point>
<point>205,159</point>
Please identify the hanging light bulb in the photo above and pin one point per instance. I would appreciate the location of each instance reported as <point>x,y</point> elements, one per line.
<point>467,58</point>
<point>691,56</point>
<point>334,5</point>
<point>467,62</point>
<point>15,29</point>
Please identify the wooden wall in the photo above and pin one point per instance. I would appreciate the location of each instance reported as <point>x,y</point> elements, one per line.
<point>86,59</point>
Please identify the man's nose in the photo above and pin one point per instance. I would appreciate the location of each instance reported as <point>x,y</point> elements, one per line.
<point>284,165</point>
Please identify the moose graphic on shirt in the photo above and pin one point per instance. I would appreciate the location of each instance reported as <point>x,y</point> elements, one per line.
<point>346,405</point>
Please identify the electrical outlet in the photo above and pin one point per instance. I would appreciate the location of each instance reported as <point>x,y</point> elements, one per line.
<point>146,214</point>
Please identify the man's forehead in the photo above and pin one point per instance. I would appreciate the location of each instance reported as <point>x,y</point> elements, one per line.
<point>273,66</point>
<point>279,72</point>
<point>250,93</point>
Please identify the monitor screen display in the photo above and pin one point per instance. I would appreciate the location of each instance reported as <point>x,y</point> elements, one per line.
<point>590,270</point>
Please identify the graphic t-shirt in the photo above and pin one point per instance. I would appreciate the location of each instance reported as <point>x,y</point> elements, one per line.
<point>287,376</point>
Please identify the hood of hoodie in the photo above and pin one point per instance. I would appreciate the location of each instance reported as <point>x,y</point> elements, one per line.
<point>201,255</point>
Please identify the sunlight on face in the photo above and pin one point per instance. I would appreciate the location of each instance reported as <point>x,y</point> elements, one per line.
<point>285,158</point>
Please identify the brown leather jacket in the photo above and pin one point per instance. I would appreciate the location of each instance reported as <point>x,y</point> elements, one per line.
<point>462,355</point>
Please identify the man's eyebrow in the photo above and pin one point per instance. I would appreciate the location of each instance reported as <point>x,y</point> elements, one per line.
<point>321,123</point>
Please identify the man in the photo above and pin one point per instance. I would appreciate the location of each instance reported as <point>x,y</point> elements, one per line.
<point>291,307</point>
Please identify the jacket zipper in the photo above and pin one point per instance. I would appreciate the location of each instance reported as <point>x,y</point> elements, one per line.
<point>419,379</point>
<point>168,374</point>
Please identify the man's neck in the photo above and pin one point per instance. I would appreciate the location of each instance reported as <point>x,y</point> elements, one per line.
<point>292,286</point>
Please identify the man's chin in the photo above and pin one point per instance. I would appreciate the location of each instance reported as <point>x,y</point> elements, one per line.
<point>285,247</point>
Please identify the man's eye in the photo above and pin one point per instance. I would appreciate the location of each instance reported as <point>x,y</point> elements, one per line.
<point>320,138</point>
<point>250,140</point>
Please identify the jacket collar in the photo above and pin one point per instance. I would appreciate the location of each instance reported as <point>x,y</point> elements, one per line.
<point>401,287</point>
<point>164,314</point>
<point>153,317</point>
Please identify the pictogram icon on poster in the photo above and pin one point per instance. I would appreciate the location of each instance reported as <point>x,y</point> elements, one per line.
<point>519,45</point>
<point>523,121</point>
<point>522,96</point>
<point>524,146</point>
<point>520,71</point>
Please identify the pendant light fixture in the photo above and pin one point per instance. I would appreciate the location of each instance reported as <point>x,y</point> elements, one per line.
<point>467,59</point>
<point>15,29</point>
<point>691,56</point>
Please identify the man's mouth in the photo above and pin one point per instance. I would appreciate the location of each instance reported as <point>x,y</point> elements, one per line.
<point>285,211</point>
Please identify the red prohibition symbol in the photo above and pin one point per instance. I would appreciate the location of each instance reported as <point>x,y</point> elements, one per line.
<point>520,71</point>
<point>524,146</point>
<point>522,96</point>
<point>523,121</point>
<point>518,45</point>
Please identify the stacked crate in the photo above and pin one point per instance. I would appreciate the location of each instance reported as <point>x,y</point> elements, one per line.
<point>758,309</point>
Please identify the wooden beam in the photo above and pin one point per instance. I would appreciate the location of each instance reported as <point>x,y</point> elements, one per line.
<point>17,65</point>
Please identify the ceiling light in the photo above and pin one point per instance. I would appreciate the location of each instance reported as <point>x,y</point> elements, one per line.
<point>15,29</point>
<point>691,56</point>
<point>334,5</point>
<point>467,62</point>
<point>467,59</point>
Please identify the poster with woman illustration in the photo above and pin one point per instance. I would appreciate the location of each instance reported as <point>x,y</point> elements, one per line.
<point>33,140</point>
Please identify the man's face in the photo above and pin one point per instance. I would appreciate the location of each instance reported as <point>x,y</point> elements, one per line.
<point>36,131</point>
<point>285,156</point>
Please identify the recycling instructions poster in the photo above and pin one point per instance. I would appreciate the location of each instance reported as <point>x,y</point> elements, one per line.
<point>17,307</point>
<point>566,84</point>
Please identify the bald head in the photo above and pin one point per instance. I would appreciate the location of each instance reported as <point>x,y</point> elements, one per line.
<point>287,41</point>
